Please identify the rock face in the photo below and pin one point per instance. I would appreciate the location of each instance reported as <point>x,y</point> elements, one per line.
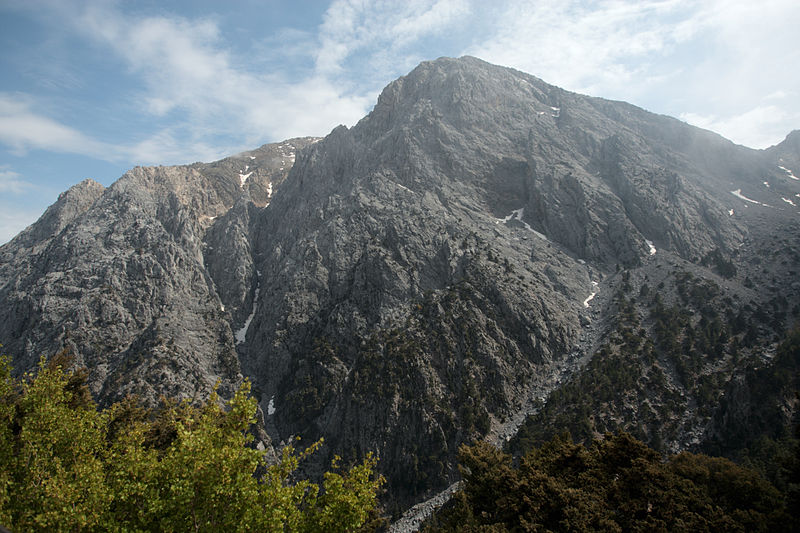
<point>404,286</point>
<point>125,278</point>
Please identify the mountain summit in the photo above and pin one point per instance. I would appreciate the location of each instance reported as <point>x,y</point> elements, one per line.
<point>426,278</point>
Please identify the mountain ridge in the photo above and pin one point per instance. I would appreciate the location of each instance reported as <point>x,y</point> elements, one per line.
<point>422,279</point>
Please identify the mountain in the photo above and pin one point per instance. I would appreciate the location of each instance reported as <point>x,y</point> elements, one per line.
<point>124,276</point>
<point>466,260</point>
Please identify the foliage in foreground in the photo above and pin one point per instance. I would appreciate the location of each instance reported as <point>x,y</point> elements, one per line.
<point>616,484</point>
<point>64,465</point>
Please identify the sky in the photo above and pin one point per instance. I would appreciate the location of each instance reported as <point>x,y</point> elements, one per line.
<point>89,89</point>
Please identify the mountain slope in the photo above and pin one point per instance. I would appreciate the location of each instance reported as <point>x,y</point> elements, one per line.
<point>120,275</point>
<point>425,278</point>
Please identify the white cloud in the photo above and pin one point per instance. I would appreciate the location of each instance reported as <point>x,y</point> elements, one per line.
<point>187,68</point>
<point>744,81</point>
<point>584,46</point>
<point>722,59</point>
<point>10,182</point>
<point>355,28</point>
<point>23,129</point>
<point>215,103</point>
<point>759,127</point>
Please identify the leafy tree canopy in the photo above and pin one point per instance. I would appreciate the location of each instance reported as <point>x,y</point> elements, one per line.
<point>615,484</point>
<point>67,466</point>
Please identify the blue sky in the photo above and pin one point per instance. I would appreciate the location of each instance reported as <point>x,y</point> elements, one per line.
<point>89,89</point>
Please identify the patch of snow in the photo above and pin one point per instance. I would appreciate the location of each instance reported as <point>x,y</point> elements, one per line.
<point>246,167</point>
<point>404,187</point>
<point>789,172</point>
<point>252,157</point>
<point>766,184</point>
<point>269,193</point>
<point>589,299</point>
<point>221,307</point>
<point>652,248</point>
<point>738,194</point>
<point>506,219</point>
<point>518,214</point>
<point>241,335</point>
<point>730,212</point>
<point>788,201</point>
<point>243,178</point>
<point>271,406</point>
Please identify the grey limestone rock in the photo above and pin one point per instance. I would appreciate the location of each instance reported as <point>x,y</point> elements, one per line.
<point>417,281</point>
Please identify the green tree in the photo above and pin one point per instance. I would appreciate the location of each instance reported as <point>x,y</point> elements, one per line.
<point>614,484</point>
<point>65,466</point>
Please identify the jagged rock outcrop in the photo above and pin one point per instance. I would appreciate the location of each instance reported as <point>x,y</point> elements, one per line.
<point>119,275</point>
<point>414,282</point>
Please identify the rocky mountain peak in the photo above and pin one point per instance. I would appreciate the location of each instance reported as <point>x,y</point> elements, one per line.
<point>422,279</point>
<point>70,204</point>
<point>787,147</point>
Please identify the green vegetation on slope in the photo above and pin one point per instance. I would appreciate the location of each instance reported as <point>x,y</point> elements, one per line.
<point>65,466</point>
<point>615,484</point>
<point>694,362</point>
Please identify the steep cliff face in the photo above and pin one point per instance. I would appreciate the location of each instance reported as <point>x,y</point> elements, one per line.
<point>120,275</point>
<point>426,270</point>
<point>425,278</point>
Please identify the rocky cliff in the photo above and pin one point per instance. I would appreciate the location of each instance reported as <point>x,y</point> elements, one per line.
<point>425,278</point>
<point>127,276</point>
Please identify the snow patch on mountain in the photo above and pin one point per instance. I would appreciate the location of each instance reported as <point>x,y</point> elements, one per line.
<point>241,335</point>
<point>738,194</point>
<point>243,178</point>
<point>589,299</point>
<point>517,215</point>
<point>789,172</point>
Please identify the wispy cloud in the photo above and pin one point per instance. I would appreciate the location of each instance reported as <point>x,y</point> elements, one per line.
<point>216,103</point>
<point>761,126</point>
<point>206,100</point>
<point>742,80</point>
<point>718,59</point>
<point>374,29</point>
<point>23,129</point>
<point>585,46</point>
<point>12,182</point>
<point>188,69</point>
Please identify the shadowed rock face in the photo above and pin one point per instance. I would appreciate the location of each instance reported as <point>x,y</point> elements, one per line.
<point>402,286</point>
